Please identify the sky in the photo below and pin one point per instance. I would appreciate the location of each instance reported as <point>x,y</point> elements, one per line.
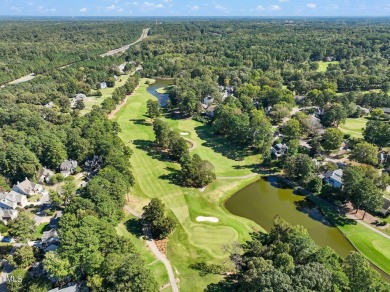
<point>263,8</point>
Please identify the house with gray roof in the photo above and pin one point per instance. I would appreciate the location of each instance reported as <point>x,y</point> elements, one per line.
<point>68,167</point>
<point>50,237</point>
<point>28,187</point>
<point>45,175</point>
<point>12,200</point>
<point>385,209</point>
<point>334,178</point>
<point>8,214</point>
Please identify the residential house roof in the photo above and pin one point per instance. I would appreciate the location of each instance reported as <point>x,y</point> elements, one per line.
<point>386,110</point>
<point>336,175</point>
<point>80,96</point>
<point>50,236</point>
<point>6,214</point>
<point>68,165</point>
<point>12,199</point>
<point>386,204</point>
<point>27,187</point>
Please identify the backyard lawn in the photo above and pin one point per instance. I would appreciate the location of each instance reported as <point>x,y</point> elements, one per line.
<point>354,127</point>
<point>323,66</point>
<point>155,176</point>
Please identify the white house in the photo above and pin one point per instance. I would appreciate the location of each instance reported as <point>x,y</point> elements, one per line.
<point>103,85</point>
<point>8,214</point>
<point>12,200</point>
<point>28,187</point>
<point>208,100</point>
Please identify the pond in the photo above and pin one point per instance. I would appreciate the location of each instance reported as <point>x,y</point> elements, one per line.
<point>162,98</point>
<point>267,198</point>
<point>263,200</point>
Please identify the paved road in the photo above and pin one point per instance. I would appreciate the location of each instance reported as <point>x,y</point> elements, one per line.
<point>159,255</point>
<point>144,35</point>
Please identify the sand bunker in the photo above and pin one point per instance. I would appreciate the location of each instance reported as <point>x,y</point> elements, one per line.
<point>210,219</point>
<point>184,133</point>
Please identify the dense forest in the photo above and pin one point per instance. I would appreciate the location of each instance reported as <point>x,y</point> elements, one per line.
<point>40,46</point>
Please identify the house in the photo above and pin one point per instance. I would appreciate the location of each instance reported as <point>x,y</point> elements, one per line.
<point>50,237</point>
<point>386,110</point>
<point>46,174</point>
<point>49,105</point>
<point>208,100</point>
<point>73,288</point>
<point>229,89</point>
<point>279,150</point>
<point>319,112</point>
<point>299,98</point>
<point>334,178</point>
<point>51,247</point>
<point>385,207</point>
<point>68,167</point>
<point>268,110</point>
<point>8,214</point>
<point>12,200</point>
<point>210,112</point>
<point>80,96</point>
<point>103,85</point>
<point>382,157</point>
<point>28,187</point>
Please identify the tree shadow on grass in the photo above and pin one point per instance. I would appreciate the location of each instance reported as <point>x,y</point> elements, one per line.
<point>151,149</point>
<point>134,226</point>
<point>222,145</point>
<point>142,122</point>
<point>174,177</point>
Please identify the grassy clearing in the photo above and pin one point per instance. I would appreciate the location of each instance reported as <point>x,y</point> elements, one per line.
<point>354,127</point>
<point>40,229</point>
<point>155,176</point>
<point>323,66</point>
<point>164,90</point>
<point>90,101</point>
<point>156,267</point>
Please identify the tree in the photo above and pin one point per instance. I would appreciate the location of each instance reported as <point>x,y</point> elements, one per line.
<point>364,152</point>
<point>332,139</point>
<point>361,275</point>
<point>80,105</point>
<point>299,166</point>
<point>197,172</point>
<point>377,113</point>
<point>154,217</point>
<point>293,146</point>
<point>279,112</point>
<point>17,280</point>
<point>56,266</point>
<point>68,191</point>
<point>315,185</point>
<point>22,228</point>
<point>23,256</point>
<point>292,128</point>
<point>161,131</point>
<point>334,115</point>
<point>377,133</point>
<point>153,108</point>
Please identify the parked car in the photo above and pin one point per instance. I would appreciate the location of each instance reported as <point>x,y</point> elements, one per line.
<point>7,239</point>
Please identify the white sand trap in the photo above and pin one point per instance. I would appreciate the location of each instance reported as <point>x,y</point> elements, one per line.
<point>210,219</point>
<point>184,133</point>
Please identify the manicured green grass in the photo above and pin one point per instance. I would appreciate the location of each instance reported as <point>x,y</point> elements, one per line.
<point>106,92</point>
<point>323,66</point>
<point>40,229</point>
<point>164,90</point>
<point>354,127</point>
<point>155,176</point>
<point>372,245</point>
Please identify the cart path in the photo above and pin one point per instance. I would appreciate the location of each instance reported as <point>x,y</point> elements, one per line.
<point>159,255</point>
